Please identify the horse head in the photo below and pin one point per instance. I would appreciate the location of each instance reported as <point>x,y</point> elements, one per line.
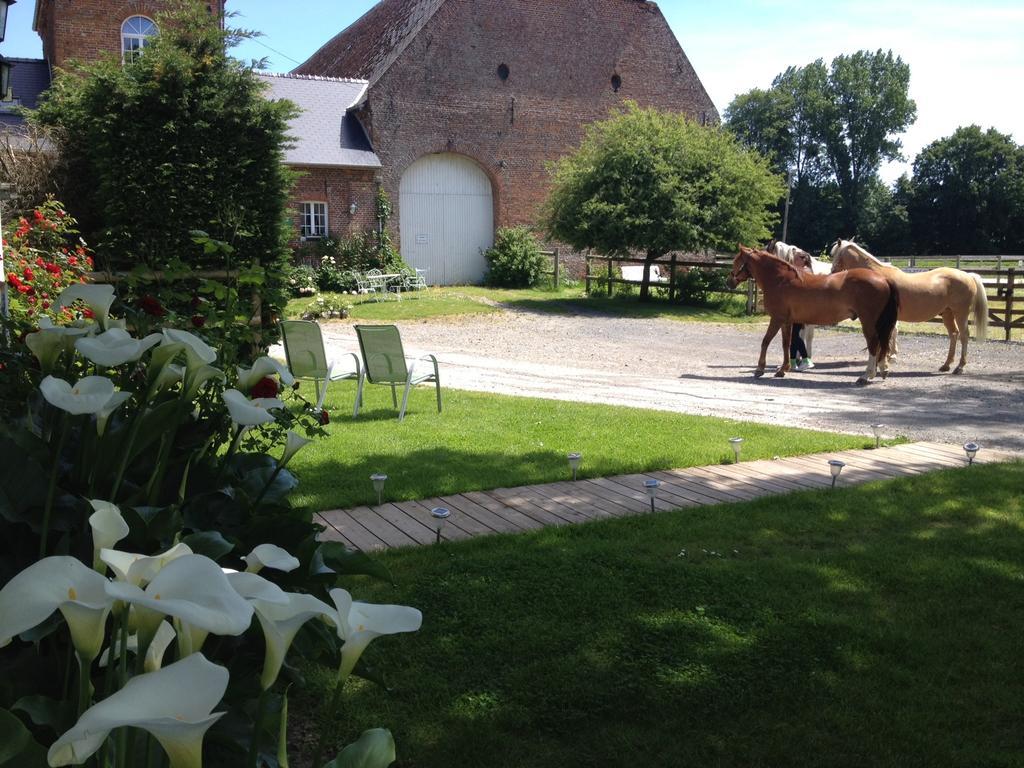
<point>838,253</point>
<point>740,267</point>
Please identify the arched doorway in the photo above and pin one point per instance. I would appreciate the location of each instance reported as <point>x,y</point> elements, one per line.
<point>446,217</point>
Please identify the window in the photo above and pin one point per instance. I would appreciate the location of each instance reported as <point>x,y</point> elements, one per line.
<point>135,35</point>
<point>313,221</point>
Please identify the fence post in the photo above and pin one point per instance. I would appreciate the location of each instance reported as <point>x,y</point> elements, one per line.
<point>586,273</point>
<point>958,261</point>
<point>913,260</point>
<point>609,276</point>
<point>672,278</point>
<point>556,269</point>
<point>1008,319</point>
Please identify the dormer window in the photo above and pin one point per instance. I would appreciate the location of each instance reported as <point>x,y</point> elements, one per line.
<point>136,34</point>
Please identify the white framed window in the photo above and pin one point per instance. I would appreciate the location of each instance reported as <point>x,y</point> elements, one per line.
<point>312,220</point>
<point>136,32</point>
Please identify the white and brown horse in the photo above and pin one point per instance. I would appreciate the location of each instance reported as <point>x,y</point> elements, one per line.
<point>801,259</point>
<point>793,296</point>
<point>950,293</point>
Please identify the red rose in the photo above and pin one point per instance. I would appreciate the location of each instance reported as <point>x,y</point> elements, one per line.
<point>72,261</point>
<point>13,279</point>
<point>198,321</point>
<point>88,313</point>
<point>265,387</point>
<point>325,418</point>
<point>22,289</point>
<point>151,306</point>
<point>46,305</point>
<point>38,215</point>
<point>29,274</point>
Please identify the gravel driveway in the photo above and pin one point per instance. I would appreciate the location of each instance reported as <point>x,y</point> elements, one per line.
<point>707,369</point>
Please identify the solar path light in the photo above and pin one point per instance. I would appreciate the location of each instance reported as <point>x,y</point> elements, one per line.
<point>736,443</point>
<point>378,485</point>
<point>971,449</point>
<point>835,466</point>
<point>574,462</point>
<point>651,486</point>
<point>877,429</point>
<point>440,514</point>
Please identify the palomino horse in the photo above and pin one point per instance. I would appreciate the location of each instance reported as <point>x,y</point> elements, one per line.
<point>951,293</point>
<point>792,296</point>
<point>801,259</point>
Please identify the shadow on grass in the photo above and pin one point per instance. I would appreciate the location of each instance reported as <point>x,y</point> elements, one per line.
<point>870,626</point>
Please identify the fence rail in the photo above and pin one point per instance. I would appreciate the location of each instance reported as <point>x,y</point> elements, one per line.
<point>1004,282</point>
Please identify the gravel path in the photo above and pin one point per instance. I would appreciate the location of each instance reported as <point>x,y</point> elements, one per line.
<point>707,369</point>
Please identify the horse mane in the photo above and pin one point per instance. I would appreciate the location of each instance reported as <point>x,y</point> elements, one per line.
<point>849,245</point>
<point>782,262</point>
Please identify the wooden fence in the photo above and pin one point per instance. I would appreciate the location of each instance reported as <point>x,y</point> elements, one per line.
<point>555,270</point>
<point>1003,277</point>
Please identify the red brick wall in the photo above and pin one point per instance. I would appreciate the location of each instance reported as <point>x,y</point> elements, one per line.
<point>444,93</point>
<point>339,188</point>
<point>89,29</point>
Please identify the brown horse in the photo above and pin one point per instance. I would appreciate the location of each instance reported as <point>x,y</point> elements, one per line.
<point>951,293</point>
<point>792,296</point>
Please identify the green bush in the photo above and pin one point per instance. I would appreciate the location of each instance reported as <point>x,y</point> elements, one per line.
<point>515,260</point>
<point>695,285</point>
<point>302,280</point>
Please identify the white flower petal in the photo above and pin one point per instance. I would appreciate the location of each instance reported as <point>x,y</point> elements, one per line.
<point>89,395</point>
<point>108,526</point>
<point>103,415</point>
<point>280,624</point>
<point>270,556</point>
<point>97,297</point>
<point>249,413</point>
<point>115,347</point>
<point>139,569</point>
<point>174,704</point>
<point>254,587</point>
<point>264,366</point>
<point>197,351</point>
<point>360,623</point>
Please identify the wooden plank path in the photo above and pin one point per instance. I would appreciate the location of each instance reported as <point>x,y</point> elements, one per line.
<point>511,510</point>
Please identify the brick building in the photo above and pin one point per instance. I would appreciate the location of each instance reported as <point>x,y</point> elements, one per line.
<point>453,106</point>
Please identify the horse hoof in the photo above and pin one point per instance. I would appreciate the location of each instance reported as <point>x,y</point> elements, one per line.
<point>780,374</point>
<point>958,371</point>
<point>759,373</point>
<point>892,358</point>
<point>862,382</point>
<point>884,375</point>
<point>944,368</point>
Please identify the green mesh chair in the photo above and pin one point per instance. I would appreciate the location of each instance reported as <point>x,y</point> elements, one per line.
<point>384,362</point>
<point>307,359</point>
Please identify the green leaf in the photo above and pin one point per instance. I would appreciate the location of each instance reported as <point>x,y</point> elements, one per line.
<point>17,747</point>
<point>254,481</point>
<point>54,714</point>
<point>347,562</point>
<point>23,483</point>
<point>374,749</point>
<point>209,543</point>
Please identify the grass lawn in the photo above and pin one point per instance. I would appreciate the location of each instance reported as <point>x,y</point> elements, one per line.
<point>484,441</point>
<point>879,625</point>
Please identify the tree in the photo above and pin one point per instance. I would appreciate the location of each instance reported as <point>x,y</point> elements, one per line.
<point>885,226</point>
<point>180,139</point>
<point>829,127</point>
<point>968,194</point>
<point>867,104</point>
<point>656,182</point>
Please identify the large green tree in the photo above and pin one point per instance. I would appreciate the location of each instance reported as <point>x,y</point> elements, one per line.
<point>968,194</point>
<point>653,182</point>
<point>830,129</point>
<point>180,139</point>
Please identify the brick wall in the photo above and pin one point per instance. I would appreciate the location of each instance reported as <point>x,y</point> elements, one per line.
<point>339,188</point>
<point>444,92</point>
<point>87,30</point>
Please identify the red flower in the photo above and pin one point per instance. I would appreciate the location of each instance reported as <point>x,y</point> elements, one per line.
<point>38,215</point>
<point>151,306</point>
<point>72,261</point>
<point>88,313</point>
<point>29,274</point>
<point>40,262</point>
<point>13,279</point>
<point>46,305</point>
<point>265,387</point>
<point>31,300</point>
<point>325,418</point>
<point>198,321</point>
<point>22,289</point>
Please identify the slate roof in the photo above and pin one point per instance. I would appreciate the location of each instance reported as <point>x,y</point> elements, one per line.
<point>372,43</point>
<point>325,134</point>
<point>29,78</point>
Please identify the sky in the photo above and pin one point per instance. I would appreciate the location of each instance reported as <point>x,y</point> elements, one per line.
<point>966,58</point>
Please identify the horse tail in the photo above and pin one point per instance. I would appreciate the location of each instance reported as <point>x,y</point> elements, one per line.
<point>980,308</point>
<point>887,321</point>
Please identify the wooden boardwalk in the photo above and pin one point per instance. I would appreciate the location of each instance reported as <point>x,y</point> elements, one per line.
<point>510,510</point>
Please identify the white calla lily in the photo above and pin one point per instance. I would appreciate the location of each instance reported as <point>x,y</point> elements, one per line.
<point>295,444</point>
<point>254,587</point>
<point>270,556</point>
<point>280,624</point>
<point>57,583</point>
<point>140,569</point>
<point>264,366</point>
<point>115,347</point>
<point>174,704</point>
<point>50,340</point>
<point>103,415</point>
<point>359,623</point>
<point>97,297</point>
<point>197,351</point>
<point>248,413</point>
<point>108,528</point>
<point>192,589</point>
<point>168,376</point>
<point>196,378</point>
<point>89,395</point>
<point>154,656</point>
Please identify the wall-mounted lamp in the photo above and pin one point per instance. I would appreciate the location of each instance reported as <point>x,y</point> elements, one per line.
<point>353,207</point>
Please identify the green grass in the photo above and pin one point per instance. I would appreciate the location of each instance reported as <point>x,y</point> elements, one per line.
<point>877,626</point>
<point>485,441</point>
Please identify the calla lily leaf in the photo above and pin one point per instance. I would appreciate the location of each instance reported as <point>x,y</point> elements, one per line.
<point>374,749</point>
<point>283,483</point>
<point>348,562</point>
<point>17,747</point>
<point>209,543</point>
<point>43,711</point>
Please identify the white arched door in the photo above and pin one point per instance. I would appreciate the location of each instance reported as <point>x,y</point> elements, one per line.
<point>446,216</point>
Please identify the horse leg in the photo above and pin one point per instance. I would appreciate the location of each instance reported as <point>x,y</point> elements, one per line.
<point>873,343</point>
<point>951,330</point>
<point>809,340</point>
<point>894,346</point>
<point>787,339</point>
<point>773,328</point>
<point>965,335</point>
